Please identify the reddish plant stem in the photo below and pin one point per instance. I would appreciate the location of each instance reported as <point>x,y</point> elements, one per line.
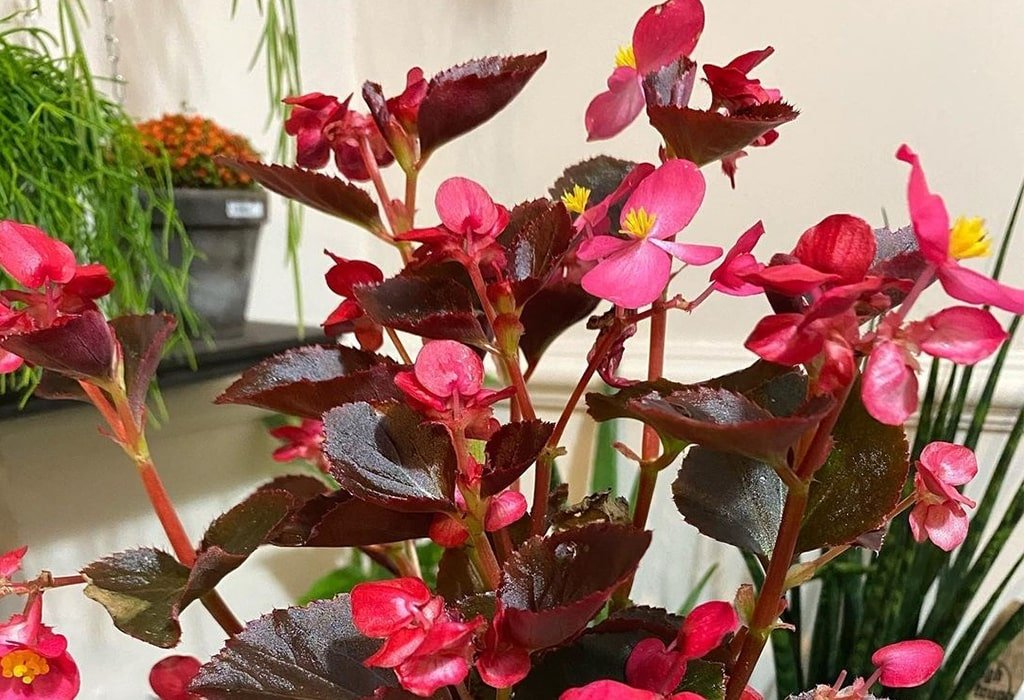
<point>480,552</point>
<point>774,587</point>
<point>370,163</point>
<point>402,352</point>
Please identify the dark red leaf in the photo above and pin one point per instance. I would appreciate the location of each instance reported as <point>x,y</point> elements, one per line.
<point>328,194</point>
<point>142,341</point>
<point>511,451</point>
<point>390,457</point>
<point>456,577</point>
<point>141,589</point>
<point>602,175</point>
<point>704,137</point>
<point>56,386</point>
<point>553,586</point>
<point>309,653</point>
<point>340,519</point>
<point>779,389</point>
<point>860,482</point>
<point>671,85</point>
<point>311,380</point>
<point>431,307</point>
<point>465,96</point>
<point>730,498</point>
<point>536,239</point>
<point>715,418</point>
<point>599,507</point>
<point>80,347</point>
<point>552,311</point>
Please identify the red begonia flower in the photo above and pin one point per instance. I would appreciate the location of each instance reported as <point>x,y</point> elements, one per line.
<point>501,664</point>
<point>731,277</point>
<point>10,562</point>
<point>342,278</point>
<point>310,114</point>
<point>595,218</point>
<point>303,441</point>
<point>447,377</point>
<point>663,35</point>
<point>907,664</point>
<point>34,662</point>
<point>169,677</point>
<point>613,690</point>
<point>632,271</point>
<point>33,258</point>
<point>939,513</point>
<point>944,246</point>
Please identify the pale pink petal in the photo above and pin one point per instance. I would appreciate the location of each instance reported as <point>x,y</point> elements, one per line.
<point>631,278</point>
<point>908,664</point>
<point>11,561</point>
<point>889,388</point>
<point>690,253</point>
<point>962,334</point>
<point>917,519</point>
<point>952,464</point>
<point>705,628</point>
<point>946,527</point>
<point>608,690</point>
<point>672,194</point>
<point>425,675</point>
<point>971,286</point>
<point>601,247</point>
<point>33,258</point>
<point>927,211</point>
<point>465,207</point>
<point>616,108</point>
<point>666,32</point>
<point>447,367</point>
<point>504,509</point>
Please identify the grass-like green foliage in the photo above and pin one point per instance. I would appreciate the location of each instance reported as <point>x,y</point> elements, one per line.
<point>866,601</point>
<point>71,163</point>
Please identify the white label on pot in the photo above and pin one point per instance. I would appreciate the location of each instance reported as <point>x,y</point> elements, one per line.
<point>243,209</point>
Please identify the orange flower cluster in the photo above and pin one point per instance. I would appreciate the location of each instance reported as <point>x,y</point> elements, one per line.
<point>190,142</point>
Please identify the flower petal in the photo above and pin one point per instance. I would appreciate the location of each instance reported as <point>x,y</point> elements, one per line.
<point>971,286</point>
<point>946,527</point>
<point>633,277</point>
<point>445,367</point>
<point>665,32</point>
<point>465,206</point>
<point>601,247</point>
<point>889,388</point>
<point>169,677</point>
<point>11,561</point>
<point>705,628</point>
<point>425,675</point>
<point>651,666</point>
<point>953,464</point>
<point>927,211</point>
<point>672,194</point>
<point>608,690</point>
<point>690,253</point>
<point>962,334</point>
<point>791,279</point>
<point>783,339</point>
<point>504,509</point>
<point>382,607</point>
<point>614,109</point>
<point>908,664</point>
<point>839,244</point>
<point>33,258</point>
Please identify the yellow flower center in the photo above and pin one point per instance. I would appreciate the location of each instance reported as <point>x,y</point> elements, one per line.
<point>576,201</point>
<point>625,57</point>
<point>638,223</point>
<point>24,664</point>
<point>969,239</point>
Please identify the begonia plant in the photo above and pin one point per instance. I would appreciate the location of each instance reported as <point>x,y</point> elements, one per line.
<point>795,459</point>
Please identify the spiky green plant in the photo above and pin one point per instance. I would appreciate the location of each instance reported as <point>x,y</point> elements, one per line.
<point>71,163</point>
<point>866,601</point>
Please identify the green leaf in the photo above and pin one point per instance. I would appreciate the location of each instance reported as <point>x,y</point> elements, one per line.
<point>988,653</point>
<point>605,473</point>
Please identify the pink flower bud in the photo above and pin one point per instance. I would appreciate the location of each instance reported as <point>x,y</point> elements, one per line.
<point>504,509</point>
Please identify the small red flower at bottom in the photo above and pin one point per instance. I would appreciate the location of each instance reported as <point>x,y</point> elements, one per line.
<point>424,643</point>
<point>170,677</point>
<point>34,662</point>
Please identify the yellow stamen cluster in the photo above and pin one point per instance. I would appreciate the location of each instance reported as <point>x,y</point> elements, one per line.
<point>969,239</point>
<point>625,57</point>
<point>638,223</point>
<point>23,664</point>
<point>576,200</point>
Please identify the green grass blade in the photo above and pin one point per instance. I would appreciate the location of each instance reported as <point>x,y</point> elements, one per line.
<point>698,588</point>
<point>988,654</point>
<point>605,475</point>
<point>984,405</point>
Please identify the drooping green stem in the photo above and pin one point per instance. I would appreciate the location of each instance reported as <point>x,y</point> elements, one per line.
<point>480,552</point>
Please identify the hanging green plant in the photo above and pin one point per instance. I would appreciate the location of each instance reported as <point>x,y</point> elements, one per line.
<point>72,163</point>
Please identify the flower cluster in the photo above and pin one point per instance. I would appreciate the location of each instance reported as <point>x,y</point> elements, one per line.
<point>189,143</point>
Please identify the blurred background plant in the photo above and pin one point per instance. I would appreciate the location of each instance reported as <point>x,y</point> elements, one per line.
<point>188,143</point>
<point>72,163</point>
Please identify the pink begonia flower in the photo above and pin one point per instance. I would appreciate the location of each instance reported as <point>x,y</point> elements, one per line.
<point>501,663</point>
<point>301,442</point>
<point>342,279</point>
<point>595,219</point>
<point>907,664</point>
<point>962,334</point>
<point>10,563</point>
<point>732,91</point>
<point>663,35</point>
<point>654,671</point>
<point>33,258</point>
<point>34,662</point>
<point>939,513</point>
<point>504,509</point>
<point>634,271</point>
<point>470,223</point>
<point>169,678</point>
<point>424,643</point>
<point>730,277</point>
<point>944,246</point>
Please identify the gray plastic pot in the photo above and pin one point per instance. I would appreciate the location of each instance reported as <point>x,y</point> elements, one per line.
<point>224,227</point>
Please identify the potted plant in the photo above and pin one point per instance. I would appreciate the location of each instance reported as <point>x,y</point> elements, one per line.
<point>222,212</point>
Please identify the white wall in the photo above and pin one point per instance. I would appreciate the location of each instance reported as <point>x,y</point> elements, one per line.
<point>942,75</point>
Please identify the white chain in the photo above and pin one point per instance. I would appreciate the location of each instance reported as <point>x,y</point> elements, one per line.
<point>113,51</point>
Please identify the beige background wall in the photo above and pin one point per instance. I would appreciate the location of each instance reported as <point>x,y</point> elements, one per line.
<point>943,75</point>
